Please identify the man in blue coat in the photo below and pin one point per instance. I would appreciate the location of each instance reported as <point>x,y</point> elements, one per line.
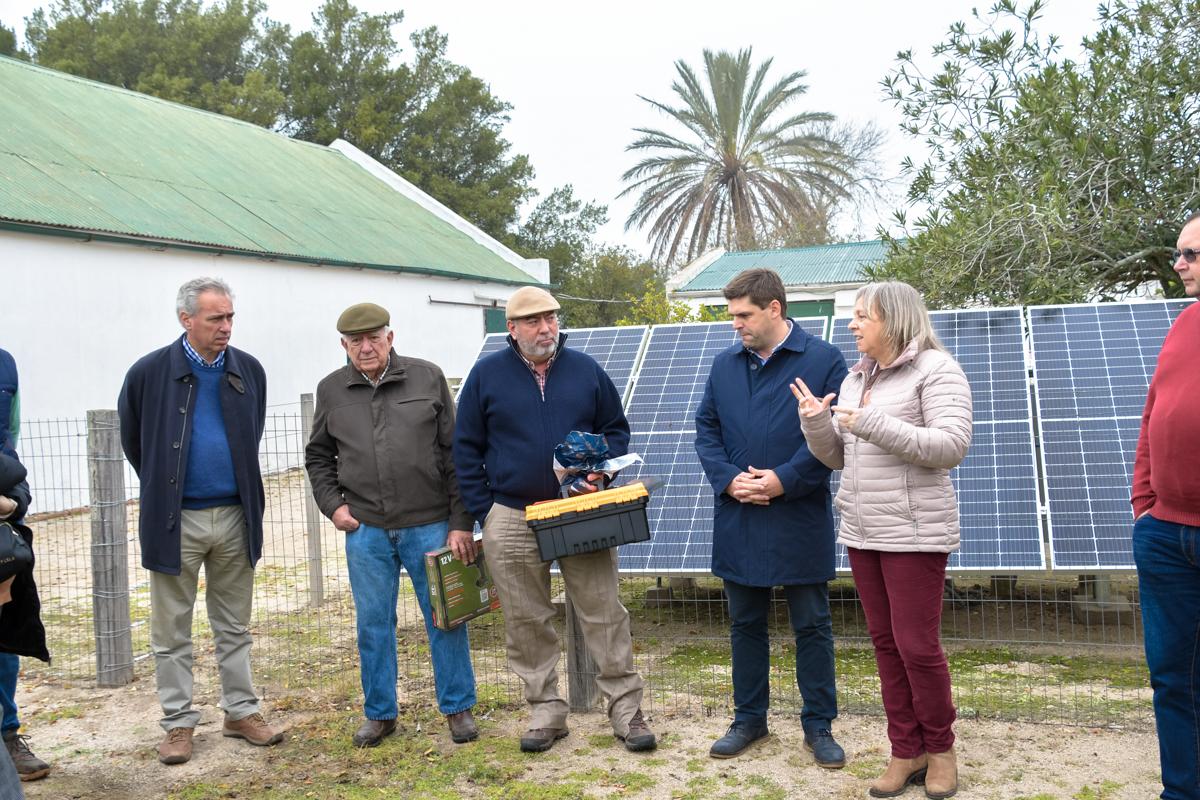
<point>773,519</point>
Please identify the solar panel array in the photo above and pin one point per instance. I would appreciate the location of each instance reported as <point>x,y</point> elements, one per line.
<point>996,483</point>
<point>1093,365</point>
<point>661,414</point>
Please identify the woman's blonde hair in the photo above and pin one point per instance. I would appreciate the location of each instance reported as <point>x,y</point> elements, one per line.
<point>902,311</point>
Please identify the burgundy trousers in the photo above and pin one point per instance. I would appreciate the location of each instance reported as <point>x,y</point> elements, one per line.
<point>901,594</point>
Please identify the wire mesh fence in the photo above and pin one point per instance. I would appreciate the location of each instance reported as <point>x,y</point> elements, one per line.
<point>1045,646</point>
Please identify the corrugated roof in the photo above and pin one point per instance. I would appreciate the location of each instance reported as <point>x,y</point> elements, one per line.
<point>799,266</point>
<point>86,156</point>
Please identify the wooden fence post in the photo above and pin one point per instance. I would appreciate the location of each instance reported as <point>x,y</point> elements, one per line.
<point>110,550</point>
<point>581,668</point>
<point>312,515</point>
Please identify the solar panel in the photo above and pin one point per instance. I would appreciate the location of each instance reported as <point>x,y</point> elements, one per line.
<point>615,349</point>
<point>661,412</point>
<point>1092,368</point>
<point>996,483</point>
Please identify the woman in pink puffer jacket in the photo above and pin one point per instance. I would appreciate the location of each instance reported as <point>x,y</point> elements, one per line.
<point>902,422</point>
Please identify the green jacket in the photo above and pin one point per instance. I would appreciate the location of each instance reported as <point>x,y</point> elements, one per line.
<point>385,450</point>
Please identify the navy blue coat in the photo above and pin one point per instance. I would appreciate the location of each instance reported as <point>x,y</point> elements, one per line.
<point>505,432</point>
<point>748,417</point>
<point>156,407</point>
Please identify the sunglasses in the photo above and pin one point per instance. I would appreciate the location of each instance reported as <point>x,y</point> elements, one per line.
<point>1187,254</point>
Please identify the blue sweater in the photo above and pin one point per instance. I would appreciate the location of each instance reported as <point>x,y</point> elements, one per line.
<point>505,433</point>
<point>209,479</point>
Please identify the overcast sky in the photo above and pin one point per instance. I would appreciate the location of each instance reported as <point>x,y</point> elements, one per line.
<point>572,71</point>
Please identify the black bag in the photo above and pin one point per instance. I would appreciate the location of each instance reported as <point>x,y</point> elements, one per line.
<point>15,553</point>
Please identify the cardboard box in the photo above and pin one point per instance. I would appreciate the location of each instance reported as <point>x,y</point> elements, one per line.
<point>457,591</point>
<point>590,522</point>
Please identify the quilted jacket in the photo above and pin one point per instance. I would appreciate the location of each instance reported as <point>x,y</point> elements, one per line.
<point>896,493</point>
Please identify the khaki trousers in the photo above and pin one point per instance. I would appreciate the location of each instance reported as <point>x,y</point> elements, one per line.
<point>523,581</point>
<point>216,538</point>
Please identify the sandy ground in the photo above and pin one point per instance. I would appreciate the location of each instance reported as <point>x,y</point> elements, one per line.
<point>101,743</point>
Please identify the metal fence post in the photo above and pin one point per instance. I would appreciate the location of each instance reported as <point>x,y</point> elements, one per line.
<point>581,668</point>
<point>110,550</point>
<point>312,515</point>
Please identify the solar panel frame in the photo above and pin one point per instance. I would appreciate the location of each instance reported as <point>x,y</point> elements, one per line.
<point>1089,519</point>
<point>1002,433</point>
<point>681,511</point>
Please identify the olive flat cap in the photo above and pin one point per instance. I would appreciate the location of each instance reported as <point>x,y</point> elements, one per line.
<point>528,301</point>
<point>363,318</point>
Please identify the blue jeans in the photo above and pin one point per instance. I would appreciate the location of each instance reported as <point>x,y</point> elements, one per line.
<point>1168,564</point>
<point>808,609</point>
<point>10,665</point>
<point>374,557</point>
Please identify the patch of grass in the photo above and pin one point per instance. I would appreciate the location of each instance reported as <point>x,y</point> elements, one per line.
<point>866,767</point>
<point>696,765</point>
<point>54,715</point>
<point>765,789</point>
<point>1104,791</point>
<point>1038,796</point>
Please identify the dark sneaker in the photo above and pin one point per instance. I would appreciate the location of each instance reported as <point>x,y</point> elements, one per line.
<point>739,736</point>
<point>639,736</point>
<point>373,731</point>
<point>175,748</point>
<point>539,740</point>
<point>825,749</point>
<point>254,729</point>
<point>462,727</point>
<point>29,767</point>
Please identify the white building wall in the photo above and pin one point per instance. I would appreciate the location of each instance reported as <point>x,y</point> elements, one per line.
<point>78,314</point>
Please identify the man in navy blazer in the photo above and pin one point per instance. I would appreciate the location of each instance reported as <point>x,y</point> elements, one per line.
<point>773,518</point>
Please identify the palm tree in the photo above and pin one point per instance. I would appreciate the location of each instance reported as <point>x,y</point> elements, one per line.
<point>739,171</point>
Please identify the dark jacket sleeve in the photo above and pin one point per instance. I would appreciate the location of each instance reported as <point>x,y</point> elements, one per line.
<point>610,416</point>
<point>460,518</point>
<point>129,411</point>
<point>320,459</point>
<point>14,486</point>
<point>470,445</point>
<point>803,472</point>
<point>710,446</point>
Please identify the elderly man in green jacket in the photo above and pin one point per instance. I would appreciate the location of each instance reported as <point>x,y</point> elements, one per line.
<point>380,466</point>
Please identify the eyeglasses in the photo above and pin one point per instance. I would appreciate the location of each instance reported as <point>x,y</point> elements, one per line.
<point>1187,254</point>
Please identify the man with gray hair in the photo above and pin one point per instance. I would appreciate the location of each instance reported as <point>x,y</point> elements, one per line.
<point>380,467</point>
<point>192,416</point>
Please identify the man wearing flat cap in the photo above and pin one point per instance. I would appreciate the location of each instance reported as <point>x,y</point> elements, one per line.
<point>380,465</point>
<point>515,406</point>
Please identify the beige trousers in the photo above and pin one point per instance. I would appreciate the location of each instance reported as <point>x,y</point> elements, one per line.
<point>216,538</point>
<point>523,581</point>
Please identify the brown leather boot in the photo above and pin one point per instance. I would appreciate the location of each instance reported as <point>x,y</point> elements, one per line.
<point>941,781</point>
<point>176,746</point>
<point>29,767</point>
<point>899,775</point>
<point>462,727</point>
<point>254,729</point>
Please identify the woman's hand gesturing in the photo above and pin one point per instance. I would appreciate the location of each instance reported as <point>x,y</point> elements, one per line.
<point>810,406</point>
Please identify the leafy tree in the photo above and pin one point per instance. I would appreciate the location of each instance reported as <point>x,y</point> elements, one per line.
<point>430,120</point>
<point>561,229</point>
<point>1050,180</point>
<point>174,49</point>
<point>601,290</point>
<point>742,169</point>
<point>653,307</point>
<point>8,44</point>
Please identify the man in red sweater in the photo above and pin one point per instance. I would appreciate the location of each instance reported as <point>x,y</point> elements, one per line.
<point>1166,533</point>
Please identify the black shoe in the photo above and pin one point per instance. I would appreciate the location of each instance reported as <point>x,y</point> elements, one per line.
<point>539,740</point>
<point>639,737</point>
<point>825,749</point>
<point>739,736</point>
<point>372,732</point>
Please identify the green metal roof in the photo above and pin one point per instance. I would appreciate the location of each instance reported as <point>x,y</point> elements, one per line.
<point>799,266</point>
<point>84,156</point>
